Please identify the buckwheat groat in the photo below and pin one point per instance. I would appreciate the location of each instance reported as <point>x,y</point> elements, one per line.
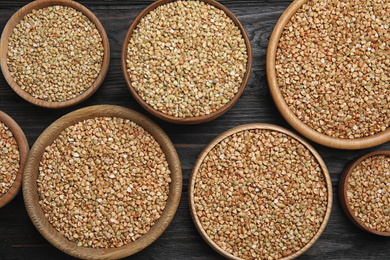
<point>332,66</point>
<point>103,182</point>
<point>260,194</point>
<point>9,159</point>
<point>55,53</point>
<point>186,58</point>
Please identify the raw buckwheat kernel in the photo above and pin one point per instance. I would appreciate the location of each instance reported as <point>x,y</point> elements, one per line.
<point>368,192</point>
<point>9,159</point>
<point>186,58</point>
<point>103,182</point>
<point>332,66</point>
<point>55,53</point>
<point>260,194</point>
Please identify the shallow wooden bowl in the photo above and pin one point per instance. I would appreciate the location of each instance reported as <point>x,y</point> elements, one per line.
<point>343,188</point>
<point>289,116</point>
<point>8,30</point>
<point>241,128</point>
<point>23,151</point>
<point>186,120</point>
<point>30,192</point>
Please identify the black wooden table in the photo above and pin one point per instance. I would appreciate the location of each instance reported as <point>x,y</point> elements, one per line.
<point>19,239</point>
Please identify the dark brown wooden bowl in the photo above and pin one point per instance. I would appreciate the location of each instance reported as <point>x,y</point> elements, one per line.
<point>289,116</point>
<point>8,30</point>
<point>31,197</point>
<point>343,189</point>
<point>23,151</point>
<point>218,139</point>
<point>186,120</point>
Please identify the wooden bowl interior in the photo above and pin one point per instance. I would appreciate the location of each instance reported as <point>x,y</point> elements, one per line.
<point>8,30</point>
<point>23,151</point>
<point>343,191</point>
<point>186,120</point>
<point>31,173</point>
<point>289,116</point>
<point>240,129</point>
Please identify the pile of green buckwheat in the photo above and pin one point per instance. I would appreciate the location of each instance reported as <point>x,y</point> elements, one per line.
<point>368,192</point>
<point>186,59</point>
<point>55,53</point>
<point>9,159</point>
<point>260,194</point>
<point>332,66</point>
<point>103,182</point>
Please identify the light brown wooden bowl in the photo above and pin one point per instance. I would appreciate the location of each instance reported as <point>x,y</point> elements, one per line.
<point>186,120</point>
<point>343,188</point>
<point>30,192</point>
<point>241,128</point>
<point>8,30</point>
<point>289,116</point>
<point>23,151</point>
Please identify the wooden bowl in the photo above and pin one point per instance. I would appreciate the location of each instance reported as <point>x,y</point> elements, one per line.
<point>235,130</point>
<point>23,151</point>
<point>30,192</point>
<point>343,189</point>
<point>8,30</point>
<point>186,120</point>
<point>289,116</point>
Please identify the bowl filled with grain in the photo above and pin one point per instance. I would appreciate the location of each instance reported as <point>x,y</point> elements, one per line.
<point>102,182</point>
<point>54,53</point>
<point>364,192</point>
<point>327,71</point>
<point>186,62</point>
<point>13,149</point>
<point>259,191</point>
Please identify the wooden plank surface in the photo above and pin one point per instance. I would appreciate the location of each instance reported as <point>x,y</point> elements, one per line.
<point>341,239</point>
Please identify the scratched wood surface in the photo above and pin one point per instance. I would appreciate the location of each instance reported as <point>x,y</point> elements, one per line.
<point>341,239</point>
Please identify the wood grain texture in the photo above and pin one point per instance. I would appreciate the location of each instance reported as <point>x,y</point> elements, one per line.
<point>186,120</point>
<point>343,191</point>
<point>341,239</point>
<point>237,129</point>
<point>31,197</point>
<point>23,151</point>
<point>8,30</point>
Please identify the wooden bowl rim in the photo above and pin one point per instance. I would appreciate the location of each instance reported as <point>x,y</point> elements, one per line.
<point>7,32</point>
<point>31,171</point>
<point>289,116</point>
<point>23,151</point>
<point>343,189</point>
<point>241,128</point>
<point>186,120</point>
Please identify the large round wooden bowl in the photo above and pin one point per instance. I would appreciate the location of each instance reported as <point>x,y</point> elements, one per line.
<point>289,116</point>
<point>343,191</point>
<point>186,120</point>
<point>237,129</point>
<point>8,30</point>
<point>30,192</point>
<point>23,151</point>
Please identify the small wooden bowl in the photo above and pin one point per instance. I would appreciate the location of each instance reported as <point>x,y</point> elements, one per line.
<point>8,30</point>
<point>30,192</point>
<point>289,116</point>
<point>23,151</point>
<point>186,120</point>
<point>343,189</point>
<point>241,128</point>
